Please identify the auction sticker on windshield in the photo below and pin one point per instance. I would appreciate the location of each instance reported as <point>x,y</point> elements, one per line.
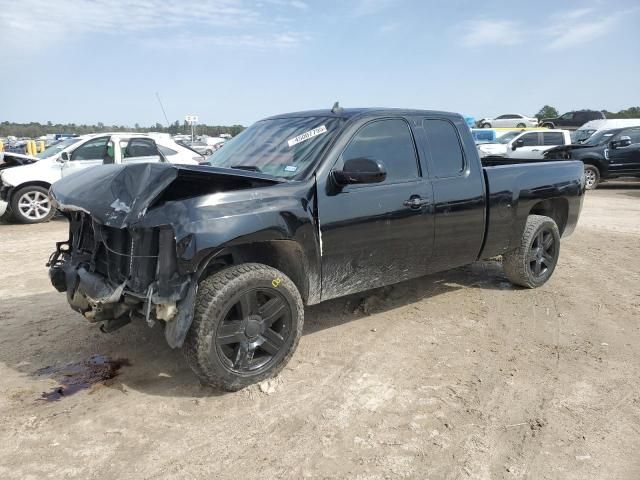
<point>307,135</point>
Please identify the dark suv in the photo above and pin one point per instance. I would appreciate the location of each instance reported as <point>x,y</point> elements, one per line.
<point>572,120</point>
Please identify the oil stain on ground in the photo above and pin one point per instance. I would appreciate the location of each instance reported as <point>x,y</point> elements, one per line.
<point>77,376</point>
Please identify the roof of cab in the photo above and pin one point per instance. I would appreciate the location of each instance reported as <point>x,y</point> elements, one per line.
<point>348,113</point>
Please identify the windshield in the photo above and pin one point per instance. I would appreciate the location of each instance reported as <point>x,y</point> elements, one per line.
<point>600,137</point>
<point>507,137</point>
<point>57,148</point>
<point>580,136</point>
<point>282,147</point>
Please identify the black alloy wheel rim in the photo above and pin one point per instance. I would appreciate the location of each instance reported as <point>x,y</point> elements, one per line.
<point>255,330</point>
<point>542,255</point>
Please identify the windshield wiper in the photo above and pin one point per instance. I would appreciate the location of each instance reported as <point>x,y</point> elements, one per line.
<point>251,168</point>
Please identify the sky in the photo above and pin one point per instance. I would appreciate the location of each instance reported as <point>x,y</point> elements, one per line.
<point>236,61</point>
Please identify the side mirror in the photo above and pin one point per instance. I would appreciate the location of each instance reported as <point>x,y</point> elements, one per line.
<point>518,143</point>
<point>621,142</point>
<point>64,157</point>
<point>360,170</point>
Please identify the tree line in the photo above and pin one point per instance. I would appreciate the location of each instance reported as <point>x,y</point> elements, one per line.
<point>36,129</point>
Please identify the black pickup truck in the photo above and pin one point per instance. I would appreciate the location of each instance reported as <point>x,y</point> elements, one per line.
<point>606,154</point>
<point>298,209</point>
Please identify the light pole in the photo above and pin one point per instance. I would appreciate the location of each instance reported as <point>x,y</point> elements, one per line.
<point>191,120</point>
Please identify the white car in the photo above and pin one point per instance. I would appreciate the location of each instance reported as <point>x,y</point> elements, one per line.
<point>24,189</point>
<point>524,145</point>
<point>510,120</point>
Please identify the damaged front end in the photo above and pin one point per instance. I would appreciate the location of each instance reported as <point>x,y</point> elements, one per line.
<point>131,252</point>
<point>115,275</point>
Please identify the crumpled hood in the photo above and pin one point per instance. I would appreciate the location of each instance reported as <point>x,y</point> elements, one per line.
<point>10,159</point>
<point>119,195</point>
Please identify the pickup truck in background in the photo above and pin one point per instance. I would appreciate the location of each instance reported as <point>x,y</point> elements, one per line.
<point>297,209</point>
<point>25,181</point>
<point>606,154</point>
<point>521,146</point>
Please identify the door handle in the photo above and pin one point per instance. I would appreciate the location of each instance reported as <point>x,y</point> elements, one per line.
<point>416,202</point>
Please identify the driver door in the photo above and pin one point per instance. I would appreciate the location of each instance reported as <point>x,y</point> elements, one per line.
<point>626,160</point>
<point>528,147</point>
<point>372,234</point>
<point>96,151</point>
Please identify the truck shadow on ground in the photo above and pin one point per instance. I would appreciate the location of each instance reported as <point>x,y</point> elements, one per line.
<point>32,343</point>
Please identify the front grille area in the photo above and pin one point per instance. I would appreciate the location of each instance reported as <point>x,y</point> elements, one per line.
<point>121,255</point>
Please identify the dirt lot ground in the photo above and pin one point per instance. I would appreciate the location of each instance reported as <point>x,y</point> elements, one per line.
<point>456,375</point>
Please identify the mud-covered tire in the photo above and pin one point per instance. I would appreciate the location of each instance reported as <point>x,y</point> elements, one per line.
<point>43,209</point>
<point>591,177</point>
<point>528,266</point>
<point>227,295</point>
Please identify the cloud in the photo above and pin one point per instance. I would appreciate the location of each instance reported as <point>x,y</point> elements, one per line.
<point>579,26</point>
<point>485,31</point>
<point>563,29</point>
<point>27,25</point>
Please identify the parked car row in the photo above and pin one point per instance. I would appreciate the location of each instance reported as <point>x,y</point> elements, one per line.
<point>570,120</point>
<point>25,181</point>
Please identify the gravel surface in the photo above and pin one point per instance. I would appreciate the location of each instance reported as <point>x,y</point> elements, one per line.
<point>454,375</point>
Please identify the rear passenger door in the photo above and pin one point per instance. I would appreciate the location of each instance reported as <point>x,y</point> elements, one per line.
<point>371,234</point>
<point>458,190</point>
<point>138,150</point>
<point>549,140</point>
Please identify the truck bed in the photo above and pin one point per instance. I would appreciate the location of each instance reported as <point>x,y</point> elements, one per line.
<point>515,191</point>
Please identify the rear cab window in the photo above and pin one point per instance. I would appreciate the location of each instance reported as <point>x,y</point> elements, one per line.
<point>444,146</point>
<point>553,138</point>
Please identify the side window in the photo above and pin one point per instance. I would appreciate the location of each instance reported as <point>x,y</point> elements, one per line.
<point>389,142</point>
<point>447,159</point>
<point>135,148</point>
<point>634,134</point>
<point>95,149</point>
<point>567,116</point>
<point>502,117</point>
<point>552,138</point>
<point>530,139</point>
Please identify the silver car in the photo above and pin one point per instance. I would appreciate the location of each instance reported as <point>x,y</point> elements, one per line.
<point>509,120</point>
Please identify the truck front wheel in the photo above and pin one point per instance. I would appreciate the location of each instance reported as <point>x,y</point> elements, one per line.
<point>591,177</point>
<point>247,323</point>
<point>533,262</point>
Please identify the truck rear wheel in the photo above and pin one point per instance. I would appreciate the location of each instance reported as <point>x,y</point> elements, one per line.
<point>247,323</point>
<point>591,177</point>
<point>533,262</point>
